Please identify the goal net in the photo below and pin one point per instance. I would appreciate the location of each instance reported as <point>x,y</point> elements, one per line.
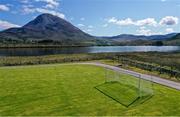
<point>126,88</point>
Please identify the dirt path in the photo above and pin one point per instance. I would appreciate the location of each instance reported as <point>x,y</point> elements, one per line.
<point>155,79</point>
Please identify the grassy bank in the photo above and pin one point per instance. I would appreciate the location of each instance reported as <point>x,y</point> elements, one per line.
<point>63,58</point>
<point>156,58</point>
<point>51,90</point>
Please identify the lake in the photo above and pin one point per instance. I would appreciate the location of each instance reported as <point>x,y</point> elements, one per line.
<point>75,50</point>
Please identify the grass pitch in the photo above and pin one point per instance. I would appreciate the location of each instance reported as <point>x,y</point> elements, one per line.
<point>69,90</point>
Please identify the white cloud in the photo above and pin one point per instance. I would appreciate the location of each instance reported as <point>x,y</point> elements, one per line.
<point>4,7</point>
<point>144,31</point>
<point>112,20</point>
<point>49,6</point>
<point>89,30</point>
<point>24,1</point>
<point>105,25</point>
<point>169,20</point>
<point>80,25</point>
<point>142,27</point>
<point>6,24</point>
<point>50,3</point>
<point>125,22</point>
<point>129,21</point>
<point>40,10</point>
<point>28,10</point>
<point>82,19</point>
<point>147,21</point>
<point>90,26</point>
<point>169,30</point>
<point>163,0</point>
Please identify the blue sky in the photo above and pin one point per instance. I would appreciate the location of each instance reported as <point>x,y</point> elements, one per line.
<point>99,17</point>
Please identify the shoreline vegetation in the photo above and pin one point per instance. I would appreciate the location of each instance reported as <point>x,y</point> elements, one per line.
<point>160,64</point>
<point>4,46</point>
<point>7,46</point>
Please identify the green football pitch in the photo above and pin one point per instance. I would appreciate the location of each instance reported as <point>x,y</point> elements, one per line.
<point>70,89</point>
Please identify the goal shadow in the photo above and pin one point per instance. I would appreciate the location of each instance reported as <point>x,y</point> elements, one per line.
<point>124,94</point>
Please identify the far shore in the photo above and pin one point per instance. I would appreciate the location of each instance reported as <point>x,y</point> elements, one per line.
<point>63,46</point>
<point>38,46</point>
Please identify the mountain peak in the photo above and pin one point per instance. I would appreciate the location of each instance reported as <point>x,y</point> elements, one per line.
<point>46,15</point>
<point>47,23</point>
<point>49,16</point>
<point>44,20</point>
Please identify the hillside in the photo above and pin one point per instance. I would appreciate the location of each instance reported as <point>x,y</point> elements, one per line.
<point>128,37</point>
<point>176,37</point>
<point>47,28</point>
<point>175,40</point>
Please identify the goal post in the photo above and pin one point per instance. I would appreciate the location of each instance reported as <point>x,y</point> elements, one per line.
<point>146,87</point>
<point>111,76</point>
<point>126,88</point>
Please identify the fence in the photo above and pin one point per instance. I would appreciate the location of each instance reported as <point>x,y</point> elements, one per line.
<point>150,67</point>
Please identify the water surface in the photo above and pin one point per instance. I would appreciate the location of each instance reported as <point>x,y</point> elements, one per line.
<point>95,49</point>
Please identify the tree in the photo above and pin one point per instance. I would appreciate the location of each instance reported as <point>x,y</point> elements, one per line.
<point>158,43</point>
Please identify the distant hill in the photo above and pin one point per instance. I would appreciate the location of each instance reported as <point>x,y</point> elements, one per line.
<point>176,37</point>
<point>126,37</point>
<point>161,37</point>
<point>175,40</point>
<point>50,29</point>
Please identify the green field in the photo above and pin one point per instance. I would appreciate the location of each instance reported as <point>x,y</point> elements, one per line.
<point>69,89</point>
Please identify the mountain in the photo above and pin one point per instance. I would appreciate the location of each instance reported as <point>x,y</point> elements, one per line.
<point>176,37</point>
<point>175,40</point>
<point>134,40</point>
<point>126,37</point>
<point>161,37</point>
<point>47,28</point>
